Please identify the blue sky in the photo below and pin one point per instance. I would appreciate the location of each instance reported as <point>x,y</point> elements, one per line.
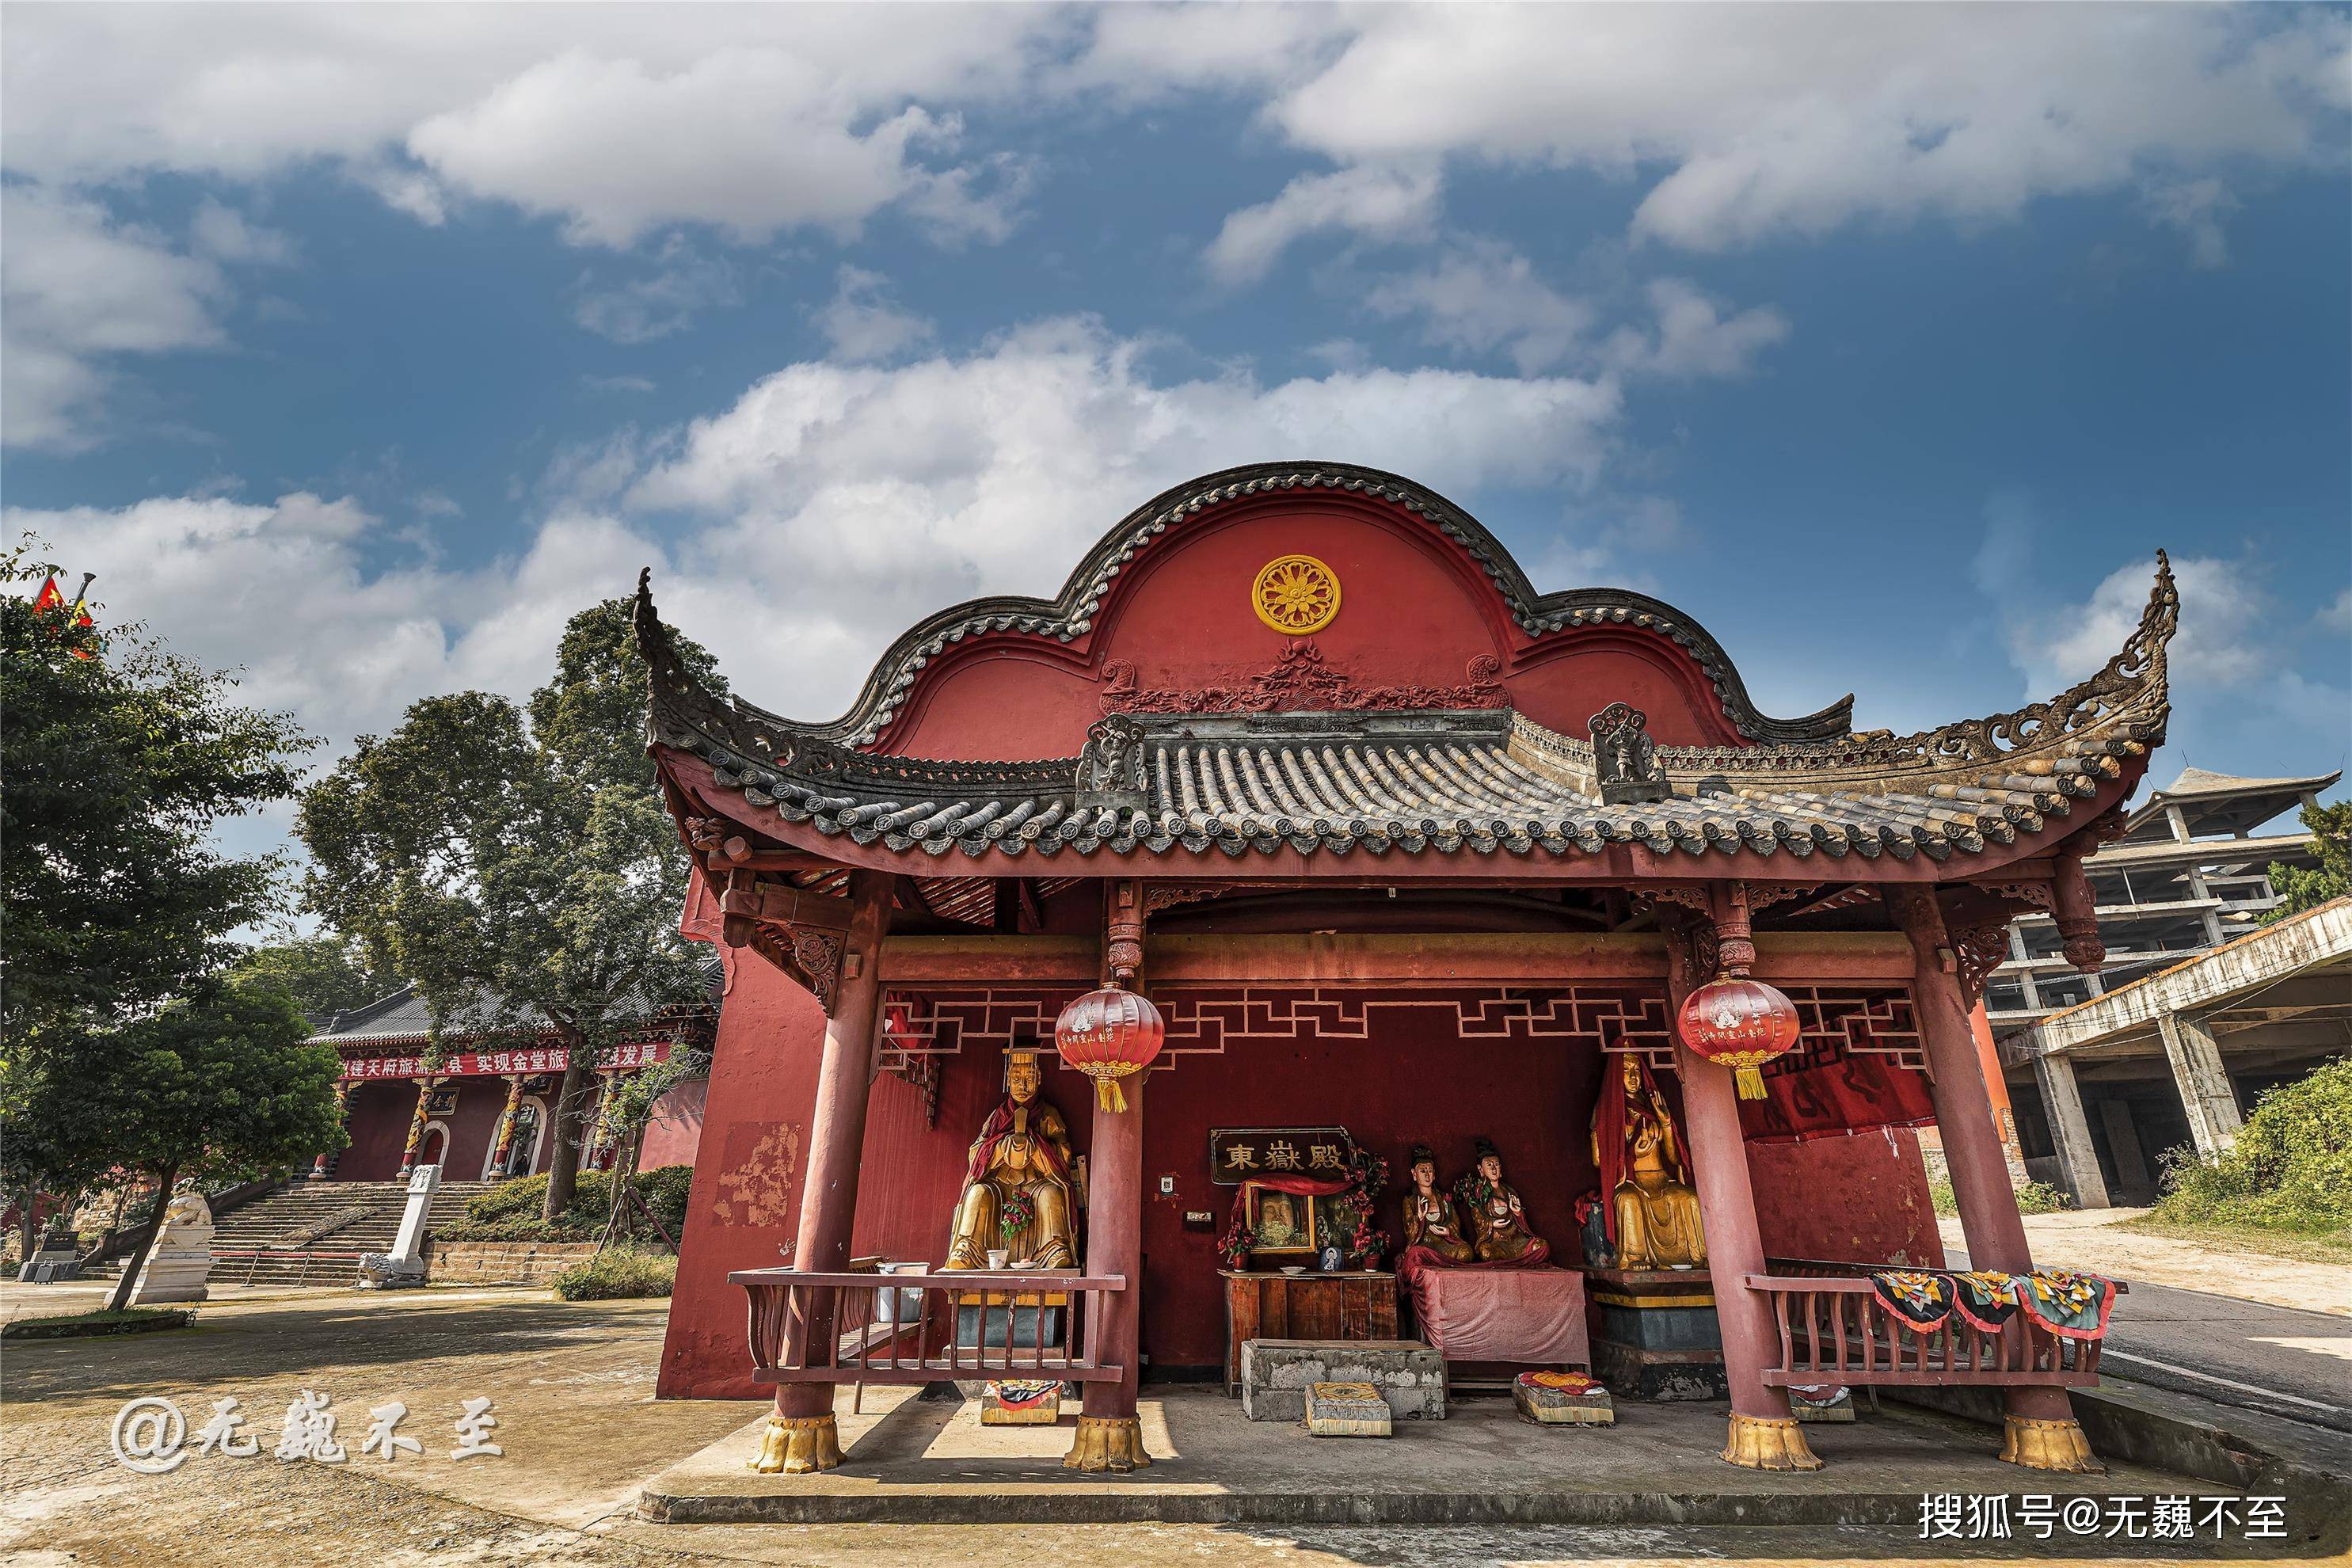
<point>358,346</point>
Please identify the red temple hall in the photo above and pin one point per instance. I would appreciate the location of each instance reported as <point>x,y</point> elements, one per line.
<point>1302,929</point>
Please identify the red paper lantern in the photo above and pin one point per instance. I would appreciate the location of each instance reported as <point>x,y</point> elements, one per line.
<point>1741,1024</point>
<point>1107,1035</point>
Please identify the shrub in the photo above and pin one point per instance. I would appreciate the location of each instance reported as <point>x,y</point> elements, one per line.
<point>2290,1170</point>
<point>511,1211</point>
<point>2034,1197</point>
<point>2041,1197</point>
<point>618,1274</point>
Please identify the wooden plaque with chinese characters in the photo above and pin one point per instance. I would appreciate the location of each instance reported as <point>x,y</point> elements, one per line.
<point>1237,1155</point>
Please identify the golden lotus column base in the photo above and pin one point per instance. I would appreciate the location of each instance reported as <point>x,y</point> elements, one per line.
<point>1768,1443</point>
<point>1107,1443</point>
<point>797,1445</point>
<point>2048,1445</point>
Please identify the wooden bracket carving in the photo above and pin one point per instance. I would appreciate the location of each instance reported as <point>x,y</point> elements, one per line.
<point>714,838</point>
<point>1981,949</point>
<point>804,933</point>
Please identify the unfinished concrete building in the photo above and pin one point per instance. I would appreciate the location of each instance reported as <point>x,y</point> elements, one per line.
<point>2198,1008</point>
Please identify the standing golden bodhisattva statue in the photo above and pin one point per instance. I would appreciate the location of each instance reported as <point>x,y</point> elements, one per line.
<point>1430,1219</point>
<point>1654,1213</point>
<point>1021,1161</point>
<point>1498,1221</point>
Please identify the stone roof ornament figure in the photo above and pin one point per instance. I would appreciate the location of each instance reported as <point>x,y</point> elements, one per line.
<point>1624,758</point>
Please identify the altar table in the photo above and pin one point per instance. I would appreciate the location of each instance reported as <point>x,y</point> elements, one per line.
<point>1359,1304</point>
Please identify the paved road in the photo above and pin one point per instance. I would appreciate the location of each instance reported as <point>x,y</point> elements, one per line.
<point>2271,1359</point>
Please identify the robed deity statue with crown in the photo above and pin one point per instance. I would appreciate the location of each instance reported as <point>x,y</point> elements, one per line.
<point>1023,1190</point>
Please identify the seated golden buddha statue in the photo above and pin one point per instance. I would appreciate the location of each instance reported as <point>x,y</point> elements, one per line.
<point>1498,1223</point>
<point>1652,1214</point>
<point>1022,1191</point>
<point>1430,1219</point>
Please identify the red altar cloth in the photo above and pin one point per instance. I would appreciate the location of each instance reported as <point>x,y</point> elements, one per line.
<point>1530,1315</point>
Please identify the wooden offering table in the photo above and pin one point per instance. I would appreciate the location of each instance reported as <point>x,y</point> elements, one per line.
<point>1263,1304</point>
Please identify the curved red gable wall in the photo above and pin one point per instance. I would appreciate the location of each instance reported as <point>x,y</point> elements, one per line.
<point>1415,610</point>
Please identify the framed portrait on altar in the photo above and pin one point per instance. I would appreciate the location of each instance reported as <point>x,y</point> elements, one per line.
<point>1285,1224</point>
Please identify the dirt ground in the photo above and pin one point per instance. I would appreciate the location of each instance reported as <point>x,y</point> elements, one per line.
<point>2095,1240</point>
<point>572,1391</point>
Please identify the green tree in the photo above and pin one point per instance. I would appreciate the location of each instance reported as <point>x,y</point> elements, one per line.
<point>324,975</point>
<point>120,761</point>
<point>2300,889</point>
<point>218,1087</point>
<point>516,863</point>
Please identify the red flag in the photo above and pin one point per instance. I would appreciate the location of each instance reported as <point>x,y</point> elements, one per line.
<point>51,598</point>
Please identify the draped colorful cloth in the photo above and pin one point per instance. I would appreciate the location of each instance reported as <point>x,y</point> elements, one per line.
<point>2076,1306</point>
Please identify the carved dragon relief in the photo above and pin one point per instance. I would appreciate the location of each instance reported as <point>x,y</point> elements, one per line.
<point>1300,680</point>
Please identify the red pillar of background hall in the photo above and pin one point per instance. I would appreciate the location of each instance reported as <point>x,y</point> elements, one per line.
<point>1763,1435</point>
<point>837,1132</point>
<point>2039,1430</point>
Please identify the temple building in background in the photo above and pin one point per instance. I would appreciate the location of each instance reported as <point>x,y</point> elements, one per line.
<point>484,1110</point>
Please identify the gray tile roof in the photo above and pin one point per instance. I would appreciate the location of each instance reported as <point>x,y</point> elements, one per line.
<point>1490,782</point>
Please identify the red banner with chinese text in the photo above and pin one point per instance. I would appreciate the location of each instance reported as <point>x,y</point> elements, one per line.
<point>492,1064</point>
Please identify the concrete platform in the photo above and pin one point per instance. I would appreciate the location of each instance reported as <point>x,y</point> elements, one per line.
<point>912,1460</point>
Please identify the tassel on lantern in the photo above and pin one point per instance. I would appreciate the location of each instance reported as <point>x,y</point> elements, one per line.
<point>1110,1096</point>
<point>1751,1080</point>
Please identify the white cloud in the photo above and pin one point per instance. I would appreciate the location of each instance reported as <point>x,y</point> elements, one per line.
<point>1482,296</point>
<point>1372,203</point>
<point>614,119</point>
<point>223,233</point>
<point>2224,640</point>
<point>800,528</point>
<point>1771,121</point>
<point>858,499</point>
<point>2195,207</point>
<point>2336,616</point>
<point>78,288</point>
<point>862,324</point>
<point>1694,337</point>
<point>665,302</point>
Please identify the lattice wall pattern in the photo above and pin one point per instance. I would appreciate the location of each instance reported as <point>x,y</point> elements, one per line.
<point>1205,1020</point>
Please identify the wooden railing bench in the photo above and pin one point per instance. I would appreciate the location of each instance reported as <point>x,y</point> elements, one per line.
<point>1833,1331</point>
<point>786,1303</point>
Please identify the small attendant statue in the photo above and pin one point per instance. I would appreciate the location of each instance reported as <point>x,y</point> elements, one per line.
<point>1497,1222</point>
<point>1652,1213</point>
<point>1430,1219</point>
<point>1019,1195</point>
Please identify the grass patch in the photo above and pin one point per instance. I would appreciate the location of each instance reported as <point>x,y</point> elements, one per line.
<point>2298,1247</point>
<point>511,1211</point>
<point>618,1274</point>
<point>93,1325</point>
<point>2289,1178</point>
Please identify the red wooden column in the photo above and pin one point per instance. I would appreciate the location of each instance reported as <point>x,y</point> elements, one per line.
<point>800,1435</point>
<point>505,1146</point>
<point>2040,1428</point>
<point>1109,1435</point>
<point>416,1126</point>
<point>1763,1435</point>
